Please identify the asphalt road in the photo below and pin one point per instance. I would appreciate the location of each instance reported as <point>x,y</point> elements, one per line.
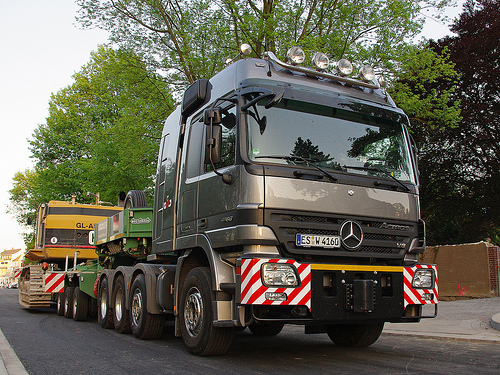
<point>50,344</point>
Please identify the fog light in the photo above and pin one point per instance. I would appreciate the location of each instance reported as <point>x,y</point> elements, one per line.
<point>423,279</point>
<point>320,61</point>
<point>273,296</point>
<point>279,275</point>
<point>296,55</point>
<point>428,297</point>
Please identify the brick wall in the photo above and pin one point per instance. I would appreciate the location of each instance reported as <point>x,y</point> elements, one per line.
<point>468,270</point>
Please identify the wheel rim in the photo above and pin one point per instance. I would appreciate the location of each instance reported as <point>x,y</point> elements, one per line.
<point>193,312</point>
<point>75,305</point>
<point>119,304</point>
<point>104,303</point>
<point>66,305</point>
<point>136,308</point>
<point>59,303</point>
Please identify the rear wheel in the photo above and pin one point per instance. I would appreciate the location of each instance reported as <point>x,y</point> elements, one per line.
<point>80,305</point>
<point>60,304</point>
<point>196,317</point>
<point>354,334</point>
<point>121,318</point>
<point>104,315</point>
<point>145,326</point>
<point>68,302</point>
<point>266,328</point>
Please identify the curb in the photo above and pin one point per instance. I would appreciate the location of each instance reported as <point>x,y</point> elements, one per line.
<point>495,321</point>
<point>12,364</point>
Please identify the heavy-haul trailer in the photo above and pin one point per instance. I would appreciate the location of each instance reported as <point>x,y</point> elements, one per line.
<point>284,194</point>
<point>62,230</point>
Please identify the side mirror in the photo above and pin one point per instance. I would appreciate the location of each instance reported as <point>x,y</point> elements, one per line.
<point>214,144</point>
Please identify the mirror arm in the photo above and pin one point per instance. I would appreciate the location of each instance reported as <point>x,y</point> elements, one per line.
<point>226,178</point>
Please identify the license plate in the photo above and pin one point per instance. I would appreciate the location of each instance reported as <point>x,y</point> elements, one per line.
<point>313,240</point>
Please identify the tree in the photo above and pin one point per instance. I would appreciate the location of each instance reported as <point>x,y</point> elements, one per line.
<point>460,154</point>
<point>191,39</point>
<point>102,134</point>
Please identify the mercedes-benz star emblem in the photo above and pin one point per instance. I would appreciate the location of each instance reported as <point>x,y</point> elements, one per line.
<point>351,234</point>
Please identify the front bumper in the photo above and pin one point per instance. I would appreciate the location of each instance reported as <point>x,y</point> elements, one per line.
<point>335,294</point>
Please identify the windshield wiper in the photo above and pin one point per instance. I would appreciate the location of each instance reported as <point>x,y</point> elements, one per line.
<point>309,162</point>
<point>375,169</point>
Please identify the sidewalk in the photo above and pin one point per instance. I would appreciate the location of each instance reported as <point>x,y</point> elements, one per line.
<point>473,319</point>
<point>9,363</point>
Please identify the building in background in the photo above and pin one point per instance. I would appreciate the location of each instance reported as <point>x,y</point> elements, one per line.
<point>11,262</point>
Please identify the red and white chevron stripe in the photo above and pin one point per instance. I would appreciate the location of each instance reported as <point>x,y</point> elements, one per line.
<point>17,273</point>
<point>54,282</point>
<point>253,291</point>
<point>415,296</point>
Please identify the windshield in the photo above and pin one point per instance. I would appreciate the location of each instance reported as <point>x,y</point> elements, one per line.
<point>300,133</point>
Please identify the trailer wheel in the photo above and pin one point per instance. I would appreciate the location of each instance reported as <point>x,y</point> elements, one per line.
<point>68,302</point>
<point>60,304</point>
<point>145,326</point>
<point>121,319</point>
<point>352,335</point>
<point>104,315</point>
<point>266,328</point>
<point>196,317</point>
<point>135,198</point>
<point>80,305</point>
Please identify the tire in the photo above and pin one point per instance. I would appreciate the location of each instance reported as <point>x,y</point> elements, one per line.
<point>68,302</point>
<point>135,198</point>
<point>266,328</point>
<point>144,326</point>
<point>104,314</point>
<point>121,319</point>
<point>354,335</point>
<point>196,317</point>
<point>80,305</point>
<point>60,304</point>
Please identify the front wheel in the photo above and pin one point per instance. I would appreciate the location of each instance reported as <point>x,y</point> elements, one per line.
<point>352,335</point>
<point>196,317</point>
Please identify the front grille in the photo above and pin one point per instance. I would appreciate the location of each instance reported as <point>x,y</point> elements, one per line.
<point>381,238</point>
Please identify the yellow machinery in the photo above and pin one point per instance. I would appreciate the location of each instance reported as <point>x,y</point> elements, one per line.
<point>63,230</point>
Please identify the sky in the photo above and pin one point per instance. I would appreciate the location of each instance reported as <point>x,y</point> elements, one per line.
<point>42,47</point>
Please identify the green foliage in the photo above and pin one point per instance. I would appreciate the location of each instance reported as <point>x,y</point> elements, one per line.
<point>101,135</point>
<point>425,89</point>
<point>192,39</point>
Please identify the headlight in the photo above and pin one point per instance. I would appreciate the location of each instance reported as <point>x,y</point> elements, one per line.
<point>344,67</point>
<point>296,55</point>
<point>423,279</point>
<point>320,61</point>
<point>279,275</point>
<point>367,73</point>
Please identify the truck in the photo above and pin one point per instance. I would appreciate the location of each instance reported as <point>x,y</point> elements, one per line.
<point>63,230</point>
<point>284,194</point>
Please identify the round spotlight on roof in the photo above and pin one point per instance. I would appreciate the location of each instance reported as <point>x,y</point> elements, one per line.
<point>246,49</point>
<point>367,73</point>
<point>296,55</point>
<point>320,61</point>
<point>382,82</point>
<point>344,67</point>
